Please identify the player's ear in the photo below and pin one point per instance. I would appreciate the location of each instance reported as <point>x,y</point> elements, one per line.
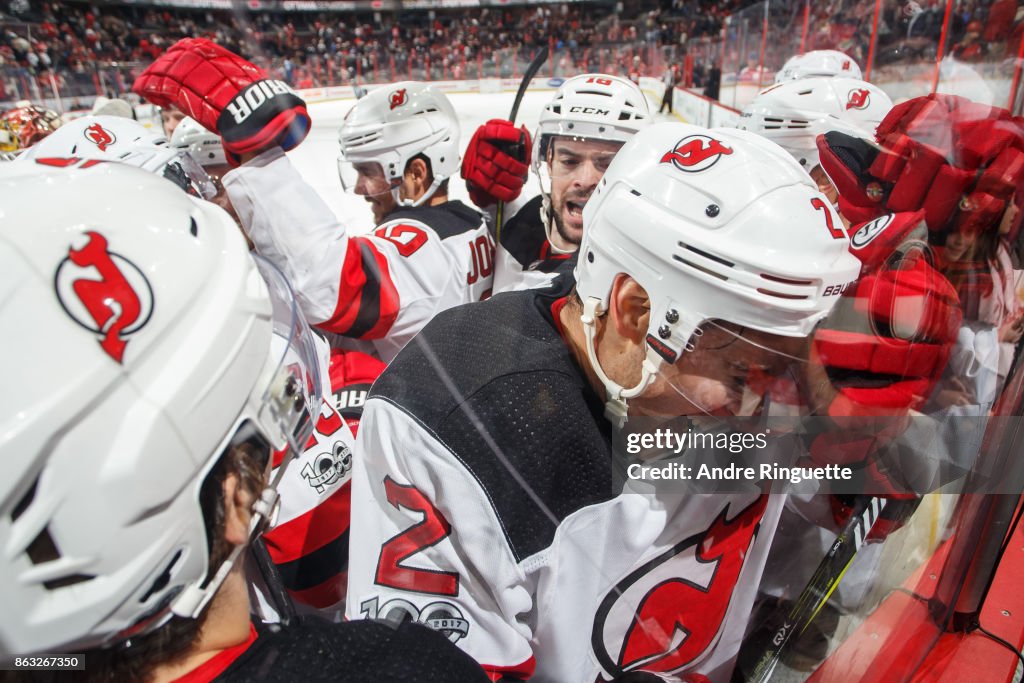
<point>237,510</point>
<point>418,172</point>
<point>630,309</point>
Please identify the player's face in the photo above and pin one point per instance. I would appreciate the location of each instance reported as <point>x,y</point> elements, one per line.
<point>575,166</point>
<point>372,185</point>
<point>170,118</point>
<point>728,373</point>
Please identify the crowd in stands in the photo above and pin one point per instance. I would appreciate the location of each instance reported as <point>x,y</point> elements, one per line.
<point>70,40</point>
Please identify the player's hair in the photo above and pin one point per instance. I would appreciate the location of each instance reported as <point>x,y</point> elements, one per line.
<point>135,659</point>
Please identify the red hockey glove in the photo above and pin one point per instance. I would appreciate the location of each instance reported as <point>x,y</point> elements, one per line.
<point>958,161</point>
<point>496,162</point>
<point>227,95</point>
<point>880,353</point>
<point>887,342</point>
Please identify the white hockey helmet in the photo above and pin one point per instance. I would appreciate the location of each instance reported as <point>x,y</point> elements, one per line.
<point>793,114</point>
<point>148,342</point>
<point>819,63</point>
<point>393,124</point>
<point>114,138</point>
<point>715,224</point>
<point>204,146</point>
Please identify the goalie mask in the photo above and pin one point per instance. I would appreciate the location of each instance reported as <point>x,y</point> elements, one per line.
<point>150,342</point>
<point>114,138</point>
<point>390,126</point>
<point>734,246</point>
<point>24,126</point>
<point>578,134</point>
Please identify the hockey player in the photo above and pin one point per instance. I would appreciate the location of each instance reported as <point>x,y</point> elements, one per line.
<point>309,541</point>
<point>115,138</point>
<point>486,487</point>
<point>309,545</point>
<point>382,287</point>
<point>183,373</point>
<point>794,113</point>
<point>579,132</point>
<point>819,63</point>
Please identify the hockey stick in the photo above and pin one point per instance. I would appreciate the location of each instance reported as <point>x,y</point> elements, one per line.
<point>516,149</point>
<point>867,511</point>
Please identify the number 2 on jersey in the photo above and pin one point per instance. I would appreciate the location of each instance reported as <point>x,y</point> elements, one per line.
<point>429,531</point>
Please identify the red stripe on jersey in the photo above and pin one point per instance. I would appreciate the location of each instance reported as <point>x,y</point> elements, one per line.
<point>521,671</point>
<point>556,312</point>
<point>216,665</point>
<point>327,594</point>
<point>368,300</point>
<point>312,530</point>
<point>546,255</point>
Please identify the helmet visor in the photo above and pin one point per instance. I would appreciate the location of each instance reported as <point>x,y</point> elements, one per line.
<point>364,178</point>
<point>185,172</point>
<point>292,395</point>
<point>728,370</point>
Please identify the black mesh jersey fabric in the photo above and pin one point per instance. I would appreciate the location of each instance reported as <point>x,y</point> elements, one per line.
<point>363,651</point>
<point>525,238</point>
<point>497,386</point>
<point>447,219</point>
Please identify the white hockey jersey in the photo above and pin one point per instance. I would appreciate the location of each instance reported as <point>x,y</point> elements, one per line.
<point>381,287</point>
<point>487,511</point>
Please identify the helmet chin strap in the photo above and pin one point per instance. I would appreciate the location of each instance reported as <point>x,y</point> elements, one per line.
<point>547,218</point>
<point>417,202</point>
<point>615,407</point>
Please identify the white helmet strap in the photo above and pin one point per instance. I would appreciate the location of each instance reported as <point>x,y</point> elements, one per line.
<point>193,599</point>
<point>424,198</point>
<point>615,407</point>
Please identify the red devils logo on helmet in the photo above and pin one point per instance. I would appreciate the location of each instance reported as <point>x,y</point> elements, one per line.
<point>696,153</point>
<point>113,306</point>
<point>397,98</point>
<point>668,613</point>
<point>858,99</point>
<point>99,136</point>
